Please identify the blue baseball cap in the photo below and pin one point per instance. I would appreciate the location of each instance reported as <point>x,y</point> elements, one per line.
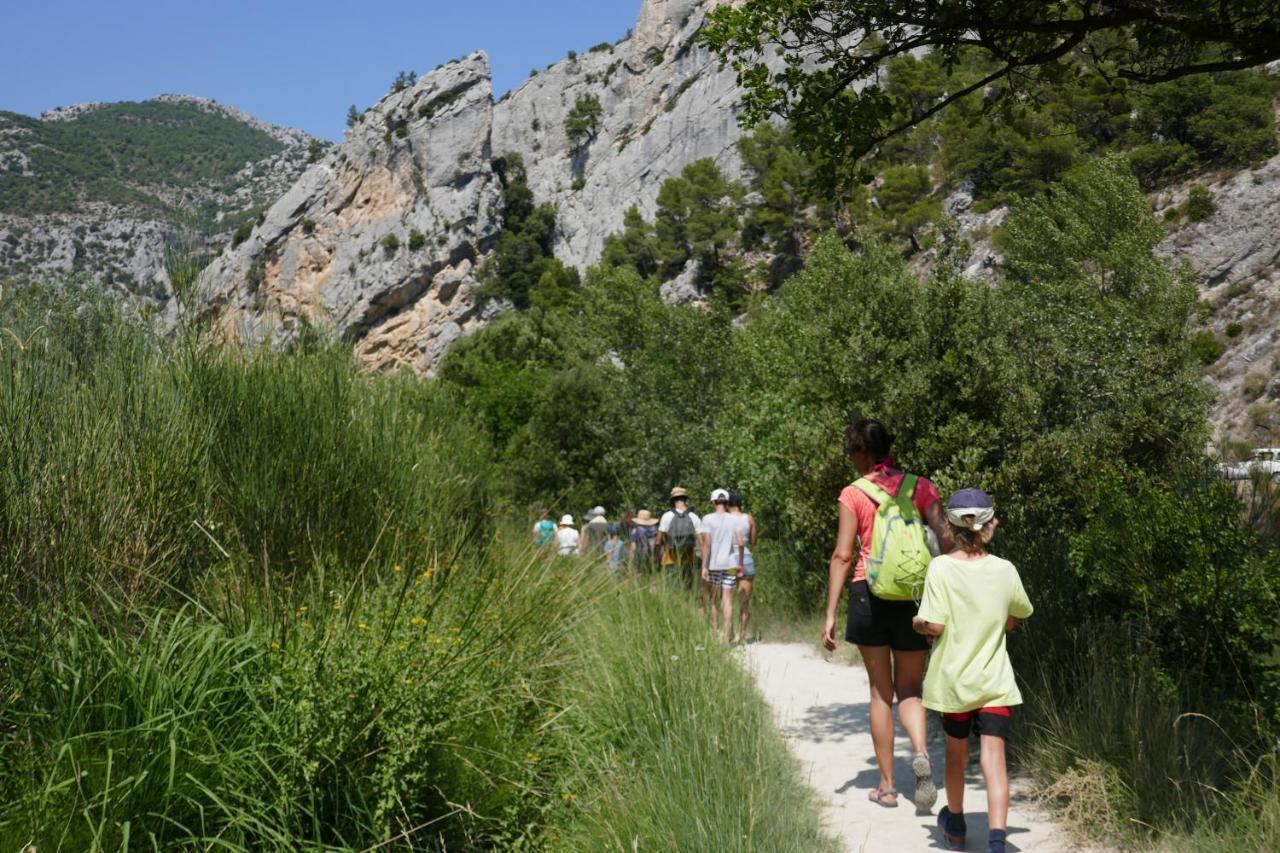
<point>970,499</point>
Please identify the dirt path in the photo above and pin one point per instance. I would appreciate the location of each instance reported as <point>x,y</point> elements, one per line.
<point>821,708</point>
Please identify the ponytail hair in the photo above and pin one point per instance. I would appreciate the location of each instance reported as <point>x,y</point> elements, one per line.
<point>870,435</point>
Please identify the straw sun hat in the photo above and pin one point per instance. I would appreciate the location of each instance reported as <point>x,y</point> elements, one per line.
<point>644,518</point>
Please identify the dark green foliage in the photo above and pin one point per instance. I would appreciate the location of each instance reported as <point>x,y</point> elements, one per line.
<point>404,79</point>
<point>523,261</point>
<point>832,43</point>
<point>634,247</point>
<point>113,152</point>
<point>697,219</point>
<point>1200,203</point>
<point>416,240</point>
<point>241,233</point>
<point>308,226</point>
<point>1205,347</point>
<point>780,176</point>
<point>905,196</point>
<point>353,116</point>
<point>583,122</point>
<point>390,244</point>
<point>1234,330</point>
<point>1220,120</point>
<point>315,149</point>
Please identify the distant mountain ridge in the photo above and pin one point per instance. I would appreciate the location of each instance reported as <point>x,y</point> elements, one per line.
<point>99,189</point>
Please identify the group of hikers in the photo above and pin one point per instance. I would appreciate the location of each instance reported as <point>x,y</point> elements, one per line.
<point>711,553</point>
<point>924,587</point>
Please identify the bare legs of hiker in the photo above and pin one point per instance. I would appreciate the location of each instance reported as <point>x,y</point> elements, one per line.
<point>902,674</point>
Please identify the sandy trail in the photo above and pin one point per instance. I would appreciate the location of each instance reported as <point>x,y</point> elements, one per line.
<point>821,708</point>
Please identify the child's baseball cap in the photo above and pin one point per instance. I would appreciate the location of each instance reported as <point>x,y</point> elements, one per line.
<point>970,499</point>
<point>971,509</point>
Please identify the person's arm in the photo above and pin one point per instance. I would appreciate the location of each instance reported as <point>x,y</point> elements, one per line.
<point>704,545</point>
<point>1019,605</point>
<point>931,616</point>
<point>742,551</point>
<point>838,572</point>
<point>937,522</point>
<point>752,520</point>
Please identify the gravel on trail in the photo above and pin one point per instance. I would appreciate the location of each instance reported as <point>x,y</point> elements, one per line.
<point>821,707</point>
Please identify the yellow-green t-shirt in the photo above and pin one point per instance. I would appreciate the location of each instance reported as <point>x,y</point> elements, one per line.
<point>969,667</point>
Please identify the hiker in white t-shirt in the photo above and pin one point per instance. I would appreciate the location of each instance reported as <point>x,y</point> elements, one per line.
<point>723,546</point>
<point>566,537</point>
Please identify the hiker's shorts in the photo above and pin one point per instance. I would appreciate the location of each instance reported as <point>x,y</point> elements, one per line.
<point>876,622</point>
<point>749,568</point>
<point>722,578</point>
<point>994,721</point>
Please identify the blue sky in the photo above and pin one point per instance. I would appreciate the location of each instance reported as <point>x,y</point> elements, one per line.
<point>292,63</point>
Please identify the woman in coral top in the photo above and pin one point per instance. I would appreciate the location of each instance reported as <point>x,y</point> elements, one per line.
<point>893,653</point>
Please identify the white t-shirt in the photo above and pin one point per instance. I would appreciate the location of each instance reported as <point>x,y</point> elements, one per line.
<point>567,540</point>
<point>722,529</point>
<point>664,523</point>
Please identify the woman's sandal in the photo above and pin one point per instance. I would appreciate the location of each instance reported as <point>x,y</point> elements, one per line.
<point>887,797</point>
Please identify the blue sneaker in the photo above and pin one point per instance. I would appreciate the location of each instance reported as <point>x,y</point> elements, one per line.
<point>995,841</point>
<point>952,827</point>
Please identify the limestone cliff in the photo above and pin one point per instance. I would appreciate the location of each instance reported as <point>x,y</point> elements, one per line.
<point>419,162</point>
<point>377,241</point>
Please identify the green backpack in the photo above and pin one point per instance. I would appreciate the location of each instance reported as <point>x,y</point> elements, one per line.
<point>899,545</point>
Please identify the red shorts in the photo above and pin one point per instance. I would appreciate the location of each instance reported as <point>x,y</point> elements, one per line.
<point>994,721</point>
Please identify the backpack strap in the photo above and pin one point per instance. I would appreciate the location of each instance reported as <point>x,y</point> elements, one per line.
<point>873,491</point>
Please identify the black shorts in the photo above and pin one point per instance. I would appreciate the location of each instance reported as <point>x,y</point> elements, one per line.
<point>996,721</point>
<point>876,622</point>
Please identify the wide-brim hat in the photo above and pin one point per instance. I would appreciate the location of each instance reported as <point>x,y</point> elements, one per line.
<point>596,511</point>
<point>566,521</point>
<point>677,492</point>
<point>644,518</point>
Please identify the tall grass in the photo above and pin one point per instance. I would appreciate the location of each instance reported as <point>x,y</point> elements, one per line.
<point>677,749</point>
<point>260,601</point>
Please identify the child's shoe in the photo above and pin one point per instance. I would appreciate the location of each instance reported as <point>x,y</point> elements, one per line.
<point>952,827</point>
<point>995,841</point>
<point>925,793</point>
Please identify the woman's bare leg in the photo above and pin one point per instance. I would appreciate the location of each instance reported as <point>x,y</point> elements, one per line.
<point>908,684</point>
<point>996,774</point>
<point>745,586</point>
<point>879,665</point>
<point>726,611</point>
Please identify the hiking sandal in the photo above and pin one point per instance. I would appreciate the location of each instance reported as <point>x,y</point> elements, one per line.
<point>887,797</point>
<point>925,793</point>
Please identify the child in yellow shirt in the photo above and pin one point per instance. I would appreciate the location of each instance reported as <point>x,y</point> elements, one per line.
<point>971,599</point>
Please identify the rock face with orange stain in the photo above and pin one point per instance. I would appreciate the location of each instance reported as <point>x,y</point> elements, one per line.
<point>378,241</point>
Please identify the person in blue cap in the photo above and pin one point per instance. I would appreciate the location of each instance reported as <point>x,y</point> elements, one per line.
<point>971,599</point>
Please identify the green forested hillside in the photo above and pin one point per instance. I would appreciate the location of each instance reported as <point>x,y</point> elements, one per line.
<point>153,155</point>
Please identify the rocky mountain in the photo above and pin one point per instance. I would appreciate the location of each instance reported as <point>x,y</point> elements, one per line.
<point>1234,254</point>
<point>102,189</point>
<point>339,249</point>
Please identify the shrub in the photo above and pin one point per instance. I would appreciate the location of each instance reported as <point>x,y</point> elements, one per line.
<point>1200,203</point>
<point>390,244</point>
<point>1205,347</point>
<point>308,226</point>
<point>241,233</point>
<point>1234,330</point>
<point>578,183</point>
<point>416,240</point>
<point>1254,385</point>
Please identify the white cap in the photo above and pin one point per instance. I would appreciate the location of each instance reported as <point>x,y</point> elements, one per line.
<point>719,495</point>
<point>566,521</point>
